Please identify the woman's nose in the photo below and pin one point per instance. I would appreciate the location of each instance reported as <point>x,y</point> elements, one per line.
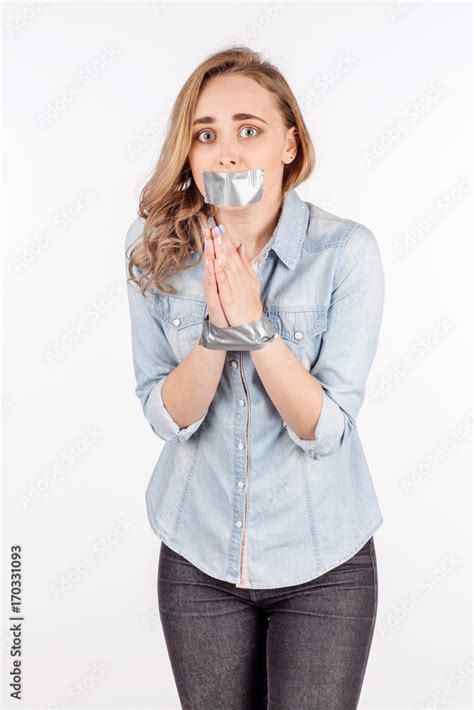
<point>227,153</point>
<point>228,162</point>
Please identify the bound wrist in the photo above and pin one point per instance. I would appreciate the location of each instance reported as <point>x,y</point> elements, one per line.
<point>253,335</point>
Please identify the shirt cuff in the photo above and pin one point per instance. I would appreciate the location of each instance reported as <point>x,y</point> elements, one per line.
<point>327,433</point>
<point>162,422</point>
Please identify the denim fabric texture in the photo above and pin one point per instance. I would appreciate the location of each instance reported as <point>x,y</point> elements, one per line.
<point>302,647</point>
<point>306,505</point>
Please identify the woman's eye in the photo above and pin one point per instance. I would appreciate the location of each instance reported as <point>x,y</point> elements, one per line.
<point>202,135</point>
<point>250,128</point>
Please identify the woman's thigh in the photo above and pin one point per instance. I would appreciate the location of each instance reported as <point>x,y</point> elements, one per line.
<point>214,636</point>
<point>319,637</point>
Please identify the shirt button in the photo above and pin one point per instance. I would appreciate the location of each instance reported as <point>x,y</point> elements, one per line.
<point>241,484</point>
<point>314,455</point>
<point>177,321</point>
<point>241,402</point>
<point>298,335</point>
<point>241,445</point>
<point>234,363</point>
<point>238,524</point>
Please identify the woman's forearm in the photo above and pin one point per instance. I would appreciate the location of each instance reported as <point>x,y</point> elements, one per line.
<point>190,388</point>
<point>296,394</point>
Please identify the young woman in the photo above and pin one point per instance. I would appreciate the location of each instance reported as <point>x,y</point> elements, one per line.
<point>261,497</point>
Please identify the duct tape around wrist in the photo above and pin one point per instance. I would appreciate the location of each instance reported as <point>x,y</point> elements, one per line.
<point>253,335</point>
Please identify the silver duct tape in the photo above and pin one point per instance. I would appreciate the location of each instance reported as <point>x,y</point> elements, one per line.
<point>248,336</point>
<point>231,189</point>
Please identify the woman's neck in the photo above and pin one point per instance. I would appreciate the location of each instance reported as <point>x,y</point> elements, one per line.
<point>253,227</point>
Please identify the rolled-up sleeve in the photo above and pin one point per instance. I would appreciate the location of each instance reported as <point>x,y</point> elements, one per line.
<point>349,343</point>
<point>153,360</point>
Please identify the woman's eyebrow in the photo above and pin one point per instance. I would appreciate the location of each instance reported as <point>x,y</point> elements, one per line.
<point>235,117</point>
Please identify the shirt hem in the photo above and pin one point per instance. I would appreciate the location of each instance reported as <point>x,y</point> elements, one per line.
<point>278,584</point>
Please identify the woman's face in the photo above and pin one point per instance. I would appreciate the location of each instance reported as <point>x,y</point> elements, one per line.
<point>237,127</point>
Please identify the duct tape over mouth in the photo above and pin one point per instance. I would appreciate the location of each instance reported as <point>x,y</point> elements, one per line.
<point>233,189</point>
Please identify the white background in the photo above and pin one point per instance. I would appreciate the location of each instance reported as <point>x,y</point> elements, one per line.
<point>385,92</point>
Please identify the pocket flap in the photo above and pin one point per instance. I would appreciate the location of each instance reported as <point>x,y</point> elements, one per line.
<point>297,325</point>
<point>179,312</point>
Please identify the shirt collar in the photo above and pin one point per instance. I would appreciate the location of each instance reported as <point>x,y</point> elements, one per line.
<point>290,232</point>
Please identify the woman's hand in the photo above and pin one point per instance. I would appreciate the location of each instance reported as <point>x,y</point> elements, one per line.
<point>216,314</point>
<point>238,284</point>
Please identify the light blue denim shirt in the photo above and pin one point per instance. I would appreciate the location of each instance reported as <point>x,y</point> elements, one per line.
<point>306,505</point>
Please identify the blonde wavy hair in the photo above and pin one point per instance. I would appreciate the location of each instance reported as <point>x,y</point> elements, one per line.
<point>170,202</point>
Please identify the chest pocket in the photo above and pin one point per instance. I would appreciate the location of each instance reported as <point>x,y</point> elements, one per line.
<point>182,321</point>
<point>302,330</point>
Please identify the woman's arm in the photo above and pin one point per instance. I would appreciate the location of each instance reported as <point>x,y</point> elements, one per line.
<point>175,396</point>
<point>190,388</point>
<point>319,408</point>
<point>296,394</point>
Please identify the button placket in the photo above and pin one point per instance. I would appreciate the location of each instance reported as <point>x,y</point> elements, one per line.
<point>240,445</point>
<point>243,483</point>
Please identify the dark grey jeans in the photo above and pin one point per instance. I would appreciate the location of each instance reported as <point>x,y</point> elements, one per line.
<point>292,648</point>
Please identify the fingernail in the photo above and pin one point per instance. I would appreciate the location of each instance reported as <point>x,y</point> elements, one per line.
<point>211,222</point>
<point>219,239</point>
<point>221,227</point>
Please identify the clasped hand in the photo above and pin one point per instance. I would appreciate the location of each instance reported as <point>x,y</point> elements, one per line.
<point>231,285</point>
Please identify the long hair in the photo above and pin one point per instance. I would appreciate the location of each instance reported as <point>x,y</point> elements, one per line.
<point>170,202</point>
